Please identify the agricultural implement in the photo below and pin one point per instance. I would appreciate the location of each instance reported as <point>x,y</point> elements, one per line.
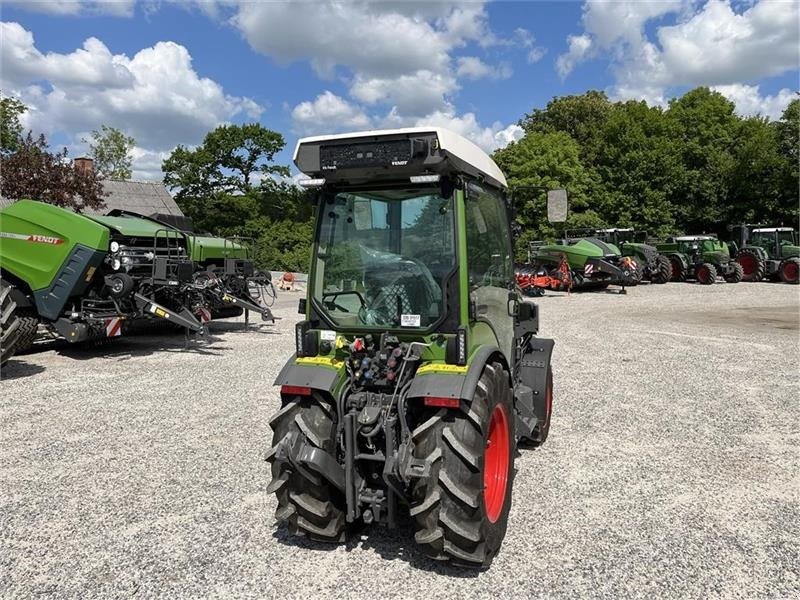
<point>417,370</point>
<point>654,267</point>
<point>83,278</point>
<point>226,276</point>
<point>592,263</point>
<point>700,257</point>
<point>771,252</point>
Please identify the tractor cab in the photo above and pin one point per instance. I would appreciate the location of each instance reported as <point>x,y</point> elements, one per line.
<point>780,242</point>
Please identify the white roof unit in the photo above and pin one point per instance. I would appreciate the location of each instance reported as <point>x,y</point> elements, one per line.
<point>393,154</point>
<point>772,229</point>
<point>695,238</point>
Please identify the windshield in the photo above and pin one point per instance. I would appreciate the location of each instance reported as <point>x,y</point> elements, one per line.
<point>383,256</point>
<point>786,238</point>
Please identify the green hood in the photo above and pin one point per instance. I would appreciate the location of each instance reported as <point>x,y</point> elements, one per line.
<point>203,248</point>
<point>130,226</point>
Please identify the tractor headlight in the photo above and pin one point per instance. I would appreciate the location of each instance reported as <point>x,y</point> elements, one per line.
<point>116,264</point>
<point>114,247</point>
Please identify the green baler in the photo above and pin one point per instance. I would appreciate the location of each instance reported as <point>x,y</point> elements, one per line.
<point>82,277</point>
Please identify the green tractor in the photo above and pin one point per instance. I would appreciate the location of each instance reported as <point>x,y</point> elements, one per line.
<point>584,263</point>
<point>700,257</point>
<point>772,252</point>
<point>654,266</point>
<point>417,370</point>
<point>83,278</point>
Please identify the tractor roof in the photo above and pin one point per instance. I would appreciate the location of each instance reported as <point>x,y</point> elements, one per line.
<point>615,229</point>
<point>394,154</point>
<point>694,238</point>
<point>771,229</point>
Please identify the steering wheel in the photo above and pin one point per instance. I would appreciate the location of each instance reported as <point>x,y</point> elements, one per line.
<point>329,299</point>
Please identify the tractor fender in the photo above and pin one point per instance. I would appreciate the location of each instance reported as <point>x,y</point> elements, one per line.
<point>530,393</point>
<point>451,381</point>
<point>313,373</point>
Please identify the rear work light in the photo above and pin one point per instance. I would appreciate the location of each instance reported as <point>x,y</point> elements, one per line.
<point>295,390</point>
<point>424,178</point>
<point>442,402</point>
<point>310,183</point>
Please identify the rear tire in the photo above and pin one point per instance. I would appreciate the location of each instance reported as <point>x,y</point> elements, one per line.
<point>677,270</point>
<point>306,501</point>
<point>753,267</point>
<point>706,274</point>
<point>663,271</point>
<point>737,275</point>
<point>790,270</point>
<point>9,324</point>
<point>461,510</point>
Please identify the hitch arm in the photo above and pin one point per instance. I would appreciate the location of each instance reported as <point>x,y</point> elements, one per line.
<point>184,318</point>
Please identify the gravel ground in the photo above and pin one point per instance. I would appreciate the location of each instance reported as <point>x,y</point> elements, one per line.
<point>671,469</point>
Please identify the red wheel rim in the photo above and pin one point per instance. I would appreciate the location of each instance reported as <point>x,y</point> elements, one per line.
<point>702,275</point>
<point>676,268</point>
<point>748,264</point>
<point>495,464</point>
<point>790,271</point>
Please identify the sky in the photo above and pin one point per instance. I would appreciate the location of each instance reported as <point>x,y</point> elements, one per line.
<point>166,72</point>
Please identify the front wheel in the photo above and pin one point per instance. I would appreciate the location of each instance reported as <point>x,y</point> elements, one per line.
<point>737,275</point>
<point>706,274</point>
<point>753,266</point>
<point>662,271</point>
<point>790,270</point>
<point>678,272</point>
<point>461,510</point>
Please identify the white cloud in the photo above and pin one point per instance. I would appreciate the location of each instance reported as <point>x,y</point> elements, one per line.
<point>710,44</point>
<point>525,39</point>
<point>750,102</point>
<point>472,67</point>
<point>328,113</point>
<point>115,8</point>
<point>413,94</point>
<point>579,46</point>
<point>489,138</point>
<point>155,96</point>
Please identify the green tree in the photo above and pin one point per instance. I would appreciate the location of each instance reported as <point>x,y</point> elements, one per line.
<point>226,162</point>
<point>706,128</point>
<point>581,117</point>
<point>547,160</point>
<point>111,151</point>
<point>10,128</point>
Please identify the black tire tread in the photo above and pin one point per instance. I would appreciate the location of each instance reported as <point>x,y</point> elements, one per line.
<point>446,508</point>
<point>663,270</point>
<point>712,270</point>
<point>308,504</point>
<point>681,271</point>
<point>9,324</point>
<point>737,275</point>
<point>28,330</point>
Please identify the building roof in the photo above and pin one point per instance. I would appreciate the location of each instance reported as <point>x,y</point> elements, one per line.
<point>142,197</point>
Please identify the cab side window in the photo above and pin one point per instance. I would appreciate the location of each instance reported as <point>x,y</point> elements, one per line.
<point>489,257</point>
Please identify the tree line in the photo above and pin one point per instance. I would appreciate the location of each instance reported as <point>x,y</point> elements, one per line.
<point>694,166</point>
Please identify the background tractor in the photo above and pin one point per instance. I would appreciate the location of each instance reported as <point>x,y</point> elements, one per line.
<point>583,262</point>
<point>762,251</point>
<point>700,257</point>
<point>83,277</point>
<point>416,369</point>
<point>654,266</point>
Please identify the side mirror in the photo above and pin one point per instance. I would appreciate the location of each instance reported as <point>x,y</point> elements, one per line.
<point>557,206</point>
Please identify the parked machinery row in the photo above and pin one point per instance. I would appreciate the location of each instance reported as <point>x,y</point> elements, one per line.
<point>85,277</point>
<point>598,258</point>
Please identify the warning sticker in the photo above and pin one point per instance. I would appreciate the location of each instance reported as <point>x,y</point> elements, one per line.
<point>326,335</point>
<point>409,320</point>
